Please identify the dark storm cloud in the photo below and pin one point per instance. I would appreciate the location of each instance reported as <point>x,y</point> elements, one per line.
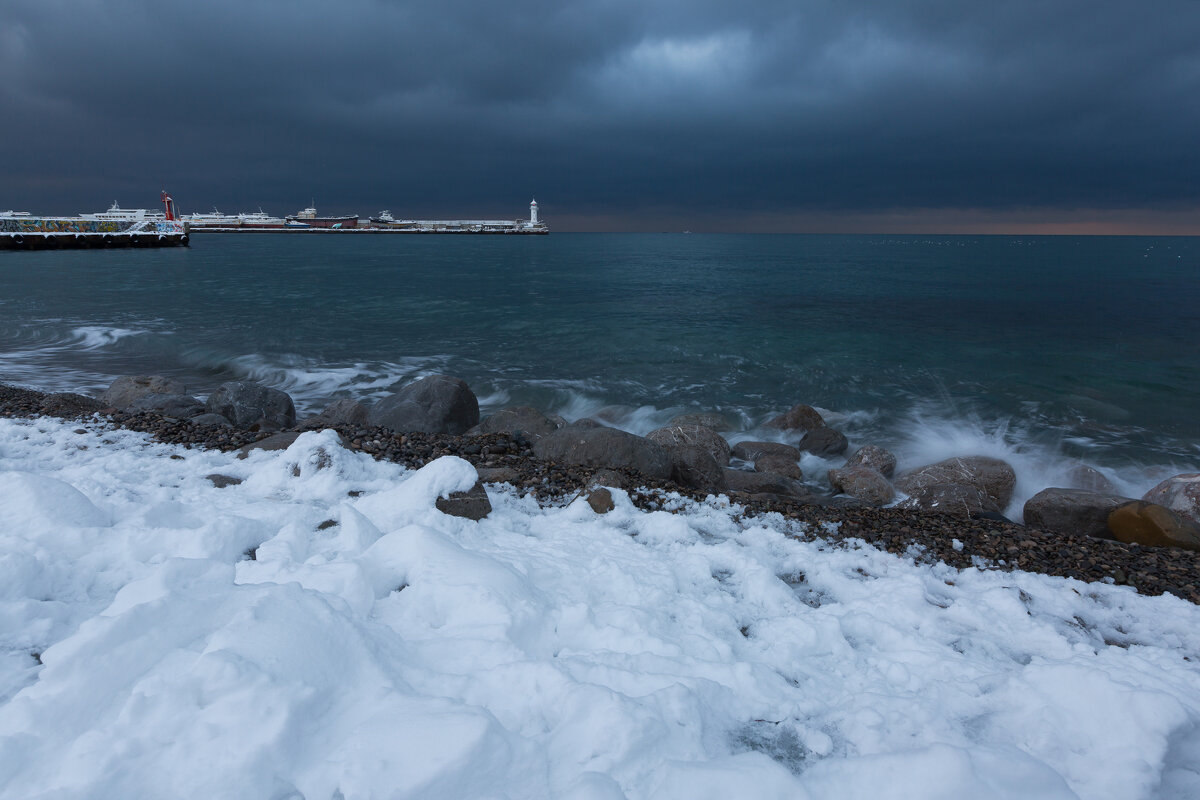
<point>602,107</point>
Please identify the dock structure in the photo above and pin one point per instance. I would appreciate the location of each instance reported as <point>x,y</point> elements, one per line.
<point>20,230</point>
<point>384,222</point>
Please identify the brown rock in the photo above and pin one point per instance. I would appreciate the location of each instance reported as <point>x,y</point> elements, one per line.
<point>752,451</point>
<point>698,435</point>
<point>823,442</point>
<point>874,457</point>
<point>799,417</point>
<point>780,465</point>
<point>993,477</point>
<point>601,501</point>
<point>1073,511</point>
<point>864,483</point>
<point>1153,525</point>
<point>1181,494</point>
<point>471,504</point>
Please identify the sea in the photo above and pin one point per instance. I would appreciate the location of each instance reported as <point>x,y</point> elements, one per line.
<point>1046,351</point>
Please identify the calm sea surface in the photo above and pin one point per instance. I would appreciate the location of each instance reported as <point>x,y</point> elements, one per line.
<point>1055,347</point>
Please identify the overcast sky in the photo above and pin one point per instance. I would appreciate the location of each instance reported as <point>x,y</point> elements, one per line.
<point>616,114</point>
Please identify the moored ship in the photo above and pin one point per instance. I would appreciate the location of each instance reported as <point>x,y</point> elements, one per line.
<point>116,227</point>
<point>308,219</point>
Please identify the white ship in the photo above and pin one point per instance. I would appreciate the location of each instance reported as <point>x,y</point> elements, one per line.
<point>214,220</point>
<point>117,214</point>
<point>259,219</point>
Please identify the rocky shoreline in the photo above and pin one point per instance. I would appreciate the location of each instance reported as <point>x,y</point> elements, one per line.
<point>514,457</point>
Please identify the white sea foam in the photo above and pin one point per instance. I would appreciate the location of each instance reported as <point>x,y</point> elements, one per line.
<point>541,652</point>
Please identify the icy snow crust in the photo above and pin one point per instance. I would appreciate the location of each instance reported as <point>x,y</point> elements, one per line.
<point>539,653</point>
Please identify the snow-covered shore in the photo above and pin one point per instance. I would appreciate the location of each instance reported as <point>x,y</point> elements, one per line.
<point>541,652</point>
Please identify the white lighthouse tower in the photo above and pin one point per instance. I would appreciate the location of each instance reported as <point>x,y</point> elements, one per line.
<point>533,214</point>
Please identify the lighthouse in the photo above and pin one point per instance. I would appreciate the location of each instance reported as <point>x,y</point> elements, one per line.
<point>533,213</point>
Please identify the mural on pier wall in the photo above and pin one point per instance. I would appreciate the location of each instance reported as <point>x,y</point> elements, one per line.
<point>40,225</point>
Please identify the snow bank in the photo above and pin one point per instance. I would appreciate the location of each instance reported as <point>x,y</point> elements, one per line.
<point>374,647</point>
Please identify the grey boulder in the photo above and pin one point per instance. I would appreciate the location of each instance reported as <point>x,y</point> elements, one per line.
<point>752,451</point>
<point>959,499</point>
<point>992,477</point>
<point>252,406</point>
<point>698,435</point>
<point>874,457</point>
<point>864,483</point>
<point>1180,493</point>
<point>124,391</point>
<point>1073,511</point>
<point>693,466</point>
<point>179,406</point>
<point>519,418</point>
<point>798,417</point>
<point>607,448</point>
<point>436,404</point>
<point>823,442</point>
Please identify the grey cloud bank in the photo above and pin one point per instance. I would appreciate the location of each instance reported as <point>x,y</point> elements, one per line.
<point>615,114</point>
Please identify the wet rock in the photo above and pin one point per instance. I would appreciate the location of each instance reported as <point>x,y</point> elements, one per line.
<point>605,447</point>
<point>752,451</point>
<point>780,465</point>
<point>1153,525</point>
<point>221,481</point>
<point>716,422</point>
<point>959,499</point>
<point>864,483</point>
<point>609,478</point>
<point>472,504</point>
<point>693,466</point>
<point>1180,493</point>
<point>436,404</point>
<point>698,435</point>
<point>345,411</point>
<point>874,457</point>
<point>993,477</point>
<point>279,441</point>
<point>1081,476</point>
<point>519,418</point>
<point>124,391</point>
<point>179,406</point>
<point>799,417</point>
<point>252,406</point>
<point>601,500</point>
<point>762,483</point>
<point>587,422</point>
<point>823,442</point>
<point>1076,511</point>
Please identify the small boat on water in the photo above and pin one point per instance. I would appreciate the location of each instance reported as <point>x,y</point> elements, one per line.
<point>308,218</point>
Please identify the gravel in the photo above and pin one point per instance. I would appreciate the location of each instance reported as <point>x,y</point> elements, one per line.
<point>926,537</point>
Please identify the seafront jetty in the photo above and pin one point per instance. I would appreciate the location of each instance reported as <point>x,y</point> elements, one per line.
<point>20,230</point>
<point>1087,534</point>
<point>309,221</point>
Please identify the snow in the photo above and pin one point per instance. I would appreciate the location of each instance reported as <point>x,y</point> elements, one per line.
<point>538,653</point>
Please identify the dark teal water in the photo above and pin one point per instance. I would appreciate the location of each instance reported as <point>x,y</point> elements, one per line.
<point>1086,346</point>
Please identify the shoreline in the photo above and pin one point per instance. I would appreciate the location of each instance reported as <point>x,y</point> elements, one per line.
<point>924,536</point>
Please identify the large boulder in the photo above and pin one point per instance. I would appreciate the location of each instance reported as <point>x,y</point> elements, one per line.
<point>799,417</point>
<point>959,499</point>
<point>122,392</point>
<point>1075,511</point>
<point>706,418</point>
<point>780,465</point>
<point>1153,525</point>
<point>179,406</point>
<point>519,418</point>
<point>252,406</point>
<point>436,404</point>
<point>993,477</point>
<point>864,483</point>
<point>609,448</point>
<point>693,466</point>
<point>762,483</point>
<point>752,451</point>
<point>874,457</point>
<point>823,442</point>
<point>1181,494</point>
<point>698,435</point>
